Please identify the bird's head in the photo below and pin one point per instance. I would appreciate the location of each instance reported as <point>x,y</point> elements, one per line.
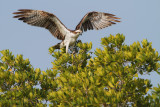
<point>79,32</point>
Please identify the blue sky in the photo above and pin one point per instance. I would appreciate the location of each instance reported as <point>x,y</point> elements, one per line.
<point>140,20</point>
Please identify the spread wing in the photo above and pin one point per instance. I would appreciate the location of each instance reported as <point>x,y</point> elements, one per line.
<point>96,20</point>
<point>43,19</point>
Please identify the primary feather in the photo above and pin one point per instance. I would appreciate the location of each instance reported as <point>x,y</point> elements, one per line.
<point>96,20</point>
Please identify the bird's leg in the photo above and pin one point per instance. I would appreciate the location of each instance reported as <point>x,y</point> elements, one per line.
<point>67,46</point>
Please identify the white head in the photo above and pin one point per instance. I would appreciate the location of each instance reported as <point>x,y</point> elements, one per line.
<point>78,31</point>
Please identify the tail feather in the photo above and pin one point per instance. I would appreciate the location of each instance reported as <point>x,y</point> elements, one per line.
<point>56,46</point>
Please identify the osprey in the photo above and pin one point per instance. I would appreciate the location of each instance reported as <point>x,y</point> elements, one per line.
<point>92,20</point>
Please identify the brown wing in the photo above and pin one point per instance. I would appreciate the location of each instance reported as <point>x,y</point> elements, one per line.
<point>43,19</point>
<point>96,20</point>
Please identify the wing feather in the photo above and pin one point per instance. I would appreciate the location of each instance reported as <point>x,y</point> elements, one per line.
<point>96,20</point>
<point>43,19</point>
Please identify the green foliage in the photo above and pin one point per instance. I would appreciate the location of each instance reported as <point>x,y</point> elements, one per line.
<point>155,97</point>
<point>111,78</point>
<point>18,80</point>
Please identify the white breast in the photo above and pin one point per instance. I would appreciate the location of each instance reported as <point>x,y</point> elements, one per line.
<point>70,38</point>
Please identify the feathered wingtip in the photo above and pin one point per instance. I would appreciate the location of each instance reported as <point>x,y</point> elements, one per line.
<point>21,13</point>
<point>112,17</point>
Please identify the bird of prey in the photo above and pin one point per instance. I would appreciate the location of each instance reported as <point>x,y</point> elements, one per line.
<point>92,20</point>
